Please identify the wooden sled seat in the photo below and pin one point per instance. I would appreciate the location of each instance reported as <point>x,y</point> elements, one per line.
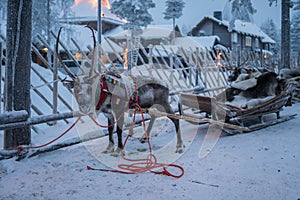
<point>217,106</point>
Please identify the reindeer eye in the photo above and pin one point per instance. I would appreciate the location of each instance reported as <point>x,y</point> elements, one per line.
<point>69,85</point>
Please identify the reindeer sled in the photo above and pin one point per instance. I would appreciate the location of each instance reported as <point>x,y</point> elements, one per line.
<point>257,101</point>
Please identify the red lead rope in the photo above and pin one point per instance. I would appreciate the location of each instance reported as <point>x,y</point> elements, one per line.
<point>21,148</point>
<point>142,165</point>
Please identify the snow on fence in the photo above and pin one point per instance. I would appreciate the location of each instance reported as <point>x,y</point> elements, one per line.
<point>184,69</point>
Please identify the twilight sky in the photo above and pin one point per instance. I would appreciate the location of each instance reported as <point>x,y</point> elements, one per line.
<point>194,10</point>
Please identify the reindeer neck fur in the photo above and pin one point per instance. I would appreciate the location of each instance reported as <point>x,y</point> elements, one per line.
<point>123,90</point>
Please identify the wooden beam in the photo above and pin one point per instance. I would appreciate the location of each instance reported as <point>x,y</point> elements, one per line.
<point>13,116</point>
<point>39,120</point>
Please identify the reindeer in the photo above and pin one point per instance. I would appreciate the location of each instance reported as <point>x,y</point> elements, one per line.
<point>113,94</point>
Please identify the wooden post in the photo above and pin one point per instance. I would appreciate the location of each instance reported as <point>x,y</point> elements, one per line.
<point>18,65</point>
<point>285,34</point>
<point>171,68</point>
<point>55,86</point>
<point>0,77</point>
<point>196,66</point>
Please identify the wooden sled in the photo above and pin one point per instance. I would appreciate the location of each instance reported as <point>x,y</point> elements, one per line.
<point>234,119</point>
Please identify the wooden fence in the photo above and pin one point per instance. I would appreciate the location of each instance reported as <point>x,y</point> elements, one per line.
<point>185,70</point>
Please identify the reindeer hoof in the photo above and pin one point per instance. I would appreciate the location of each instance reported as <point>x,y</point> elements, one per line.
<point>179,148</point>
<point>106,151</point>
<point>109,149</point>
<point>118,152</point>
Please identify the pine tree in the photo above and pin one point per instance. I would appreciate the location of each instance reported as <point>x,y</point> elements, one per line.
<point>173,10</point>
<point>241,10</point>
<point>270,29</point>
<point>134,11</point>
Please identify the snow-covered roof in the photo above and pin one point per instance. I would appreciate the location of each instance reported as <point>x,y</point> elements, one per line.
<point>203,42</point>
<point>164,50</point>
<point>246,28</point>
<point>188,43</point>
<point>107,16</point>
<point>83,37</point>
<point>81,20</point>
<point>150,32</point>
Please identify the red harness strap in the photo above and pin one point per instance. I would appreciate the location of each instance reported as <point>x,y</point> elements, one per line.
<point>103,93</point>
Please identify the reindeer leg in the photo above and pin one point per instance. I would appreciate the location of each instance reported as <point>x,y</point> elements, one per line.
<point>149,128</point>
<point>119,134</point>
<point>179,146</point>
<point>111,143</point>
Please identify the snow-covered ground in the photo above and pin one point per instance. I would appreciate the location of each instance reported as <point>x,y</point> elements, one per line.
<point>264,164</point>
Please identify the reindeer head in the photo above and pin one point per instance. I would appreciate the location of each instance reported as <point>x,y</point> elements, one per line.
<point>83,85</point>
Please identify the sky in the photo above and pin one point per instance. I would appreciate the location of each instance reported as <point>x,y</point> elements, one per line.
<point>195,10</point>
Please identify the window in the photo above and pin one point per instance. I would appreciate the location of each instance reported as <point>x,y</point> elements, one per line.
<point>234,37</point>
<point>248,41</point>
<point>256,43</point>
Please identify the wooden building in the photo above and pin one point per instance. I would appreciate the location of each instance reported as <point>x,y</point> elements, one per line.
<point>244,35</point>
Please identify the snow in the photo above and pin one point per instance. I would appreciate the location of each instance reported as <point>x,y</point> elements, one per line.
<point>83,37</point>
<point>107,16</point>
<point>262,164</point>
<point>203,42</point>
<point>150,32</point>
<point>45,91</point>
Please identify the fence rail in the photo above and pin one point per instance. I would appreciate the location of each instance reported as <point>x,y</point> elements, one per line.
<point>36,120</point>
<point>185,70</point>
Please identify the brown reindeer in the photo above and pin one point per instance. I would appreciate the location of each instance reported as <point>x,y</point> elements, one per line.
<point>113,94</point>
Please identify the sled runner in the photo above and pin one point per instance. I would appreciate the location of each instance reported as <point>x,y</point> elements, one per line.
<point>236,119</point>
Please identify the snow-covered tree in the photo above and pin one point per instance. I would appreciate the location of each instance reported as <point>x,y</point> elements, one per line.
<point>272,1</point>
<point>173,10</point>
<point>3,6</point>
<point>134,11</point>
<point>270,29</point>
<point>47,14</point>
<point>241,10</point>
<point>295,31</point>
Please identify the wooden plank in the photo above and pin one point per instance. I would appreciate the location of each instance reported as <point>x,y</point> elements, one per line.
<point>55,87</point>
<point>201,103</point>
<point>67,50</point>
<point>271,123</point>
<point>51,88</point>
<point>13,116</point>
<point>171,67</point>
<point>39,120</point>
<point>0,77</point>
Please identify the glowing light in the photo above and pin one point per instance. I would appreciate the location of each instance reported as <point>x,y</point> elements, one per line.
<point>94,3</point>
<point>78,56</point>
<point>125,58</point>
<point>219,59</point>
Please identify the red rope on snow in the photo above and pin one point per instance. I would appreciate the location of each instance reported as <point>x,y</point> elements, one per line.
<point>21,148</point>
<point>147,164</point>
<point>138,165</point>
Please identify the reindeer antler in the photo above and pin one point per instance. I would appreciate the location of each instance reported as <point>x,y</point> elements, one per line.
<point>246,60</point>
<point>59,58</point>
<point>94,51</point>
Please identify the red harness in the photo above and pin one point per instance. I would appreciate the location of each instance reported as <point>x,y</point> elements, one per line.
<point>103,93</point>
